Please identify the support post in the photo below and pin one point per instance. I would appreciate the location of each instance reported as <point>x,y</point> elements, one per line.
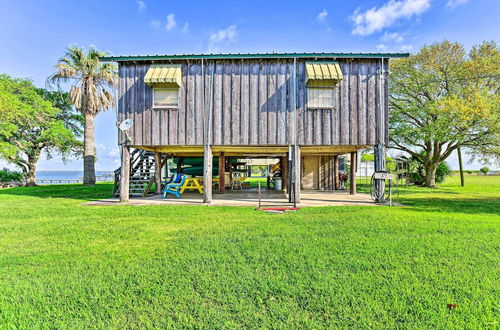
<point>336,172</point>
<point>125,174</point>
<point>230,172</point>
<point>290,173</point>
<point>296,174</point>
<point>462,181</point>
<point>207,174</point>
<point>268,177</point>
<point>379,153</point>
<point>222,174</point>
<point>158,173</point>
<point>284,173</point>
<point>354,165</point>
<point>179,164</point>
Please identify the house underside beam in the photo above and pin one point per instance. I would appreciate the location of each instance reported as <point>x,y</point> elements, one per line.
<point>252,150</point>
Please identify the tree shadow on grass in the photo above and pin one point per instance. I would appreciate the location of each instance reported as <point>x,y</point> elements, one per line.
<point>411,190</point>
<point>483,205</point>
<point>72,191</point>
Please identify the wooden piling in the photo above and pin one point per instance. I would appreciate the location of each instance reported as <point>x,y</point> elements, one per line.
<point>336,172</point>
<point>354,165</point>
<point>125,174</point>
<point>296,174</point>
<point>207,174</point>
<point>158,166</point>
<point>222,163</point>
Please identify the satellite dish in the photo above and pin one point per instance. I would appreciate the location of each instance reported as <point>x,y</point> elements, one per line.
<point>126,124</point>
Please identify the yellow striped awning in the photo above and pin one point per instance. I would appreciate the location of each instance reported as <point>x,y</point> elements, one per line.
<point>164,74</point>
<point>323,73</point>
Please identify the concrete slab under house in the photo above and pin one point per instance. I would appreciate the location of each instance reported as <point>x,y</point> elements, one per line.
<point>216,117</point>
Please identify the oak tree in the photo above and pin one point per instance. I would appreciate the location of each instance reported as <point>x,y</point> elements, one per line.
<point>442,99</point>
<point>33,121</point>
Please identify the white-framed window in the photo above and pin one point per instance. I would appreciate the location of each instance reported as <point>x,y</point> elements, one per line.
<point>320,97</point>
<point>164,98</point>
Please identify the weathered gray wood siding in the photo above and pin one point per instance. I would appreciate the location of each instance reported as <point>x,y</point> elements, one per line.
<point>250,102</point>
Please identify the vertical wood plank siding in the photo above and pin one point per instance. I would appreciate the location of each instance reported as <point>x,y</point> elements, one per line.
<point>251,103</point>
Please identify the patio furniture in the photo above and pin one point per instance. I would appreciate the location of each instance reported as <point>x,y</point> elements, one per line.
<point>236,181</point>
<point>174,188</point>
<point>192,184</point>
<point>174,178</point>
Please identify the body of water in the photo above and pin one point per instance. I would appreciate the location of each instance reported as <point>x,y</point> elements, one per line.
<point>43,176</point>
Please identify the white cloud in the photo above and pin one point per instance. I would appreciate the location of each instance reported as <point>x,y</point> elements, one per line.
<point>185,27</point>
<point>321,16</point>
<point>394,36</point>
<point>227,35</point>
<point>376,19</point>
<point>141,6</point>
<point>392,48</point>
<point>455,3</point>
<point>170,22</point>
<point>155,24</point>
<point>406,48</point>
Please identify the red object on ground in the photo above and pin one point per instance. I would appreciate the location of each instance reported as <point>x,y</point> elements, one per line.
<point>280,208</point>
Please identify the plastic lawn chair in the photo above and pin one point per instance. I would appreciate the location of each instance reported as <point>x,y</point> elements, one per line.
<point>174,178</point>
<point>174,188</point>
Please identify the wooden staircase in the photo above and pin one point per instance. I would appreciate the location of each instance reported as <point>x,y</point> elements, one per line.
<point>142,174</point>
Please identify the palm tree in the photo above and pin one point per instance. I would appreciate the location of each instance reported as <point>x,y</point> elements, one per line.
<point>90,80</point>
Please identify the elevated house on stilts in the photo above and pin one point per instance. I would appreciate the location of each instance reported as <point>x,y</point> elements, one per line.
<point>305,109</point>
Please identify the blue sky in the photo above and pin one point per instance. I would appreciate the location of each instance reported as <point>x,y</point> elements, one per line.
<point>34,34</point>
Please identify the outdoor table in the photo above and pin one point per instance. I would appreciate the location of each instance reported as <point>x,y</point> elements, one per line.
<point>192,184</point>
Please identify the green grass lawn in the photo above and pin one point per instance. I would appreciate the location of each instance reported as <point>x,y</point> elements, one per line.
<point>63,265</point>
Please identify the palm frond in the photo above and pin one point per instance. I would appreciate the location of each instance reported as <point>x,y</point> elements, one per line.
<point>90,78</point>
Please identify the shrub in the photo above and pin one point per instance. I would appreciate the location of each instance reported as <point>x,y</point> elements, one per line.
<point>7,175</point>
<point>442,172</point>
<point>484,170</point>
<point>416,175</point>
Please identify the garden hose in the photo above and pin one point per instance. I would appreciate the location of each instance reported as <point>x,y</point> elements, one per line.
<point>392,193</point>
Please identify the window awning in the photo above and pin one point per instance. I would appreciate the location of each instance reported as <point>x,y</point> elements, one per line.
<point>164,74</point>
<point>323,73</point>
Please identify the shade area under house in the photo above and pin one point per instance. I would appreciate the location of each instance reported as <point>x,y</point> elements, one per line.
<point>249,198</point>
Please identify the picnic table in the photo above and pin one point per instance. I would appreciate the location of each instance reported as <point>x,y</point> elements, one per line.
<point>192,184</point>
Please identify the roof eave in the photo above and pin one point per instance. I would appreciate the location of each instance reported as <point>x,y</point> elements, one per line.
<point>250,56</point>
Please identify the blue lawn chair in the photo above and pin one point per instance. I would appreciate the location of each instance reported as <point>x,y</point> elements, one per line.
<point>174,188</point>
<point>174,178</point>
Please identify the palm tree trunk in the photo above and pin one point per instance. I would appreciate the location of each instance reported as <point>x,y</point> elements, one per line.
<point>89,151</point>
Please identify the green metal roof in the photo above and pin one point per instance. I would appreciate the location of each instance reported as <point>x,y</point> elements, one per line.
<point>250,56</point>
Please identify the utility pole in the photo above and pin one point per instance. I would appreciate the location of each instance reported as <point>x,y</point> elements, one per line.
<point>462,183</point>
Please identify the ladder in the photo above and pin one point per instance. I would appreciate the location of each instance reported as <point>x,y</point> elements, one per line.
<point>142,174</point>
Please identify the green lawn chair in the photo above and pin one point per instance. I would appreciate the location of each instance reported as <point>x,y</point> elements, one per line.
<point>173,188</point>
